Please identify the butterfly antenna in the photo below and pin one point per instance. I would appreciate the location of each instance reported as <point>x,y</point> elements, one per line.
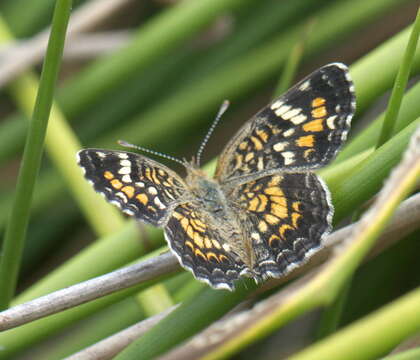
<point>128,145</point>
<point>222,110</point>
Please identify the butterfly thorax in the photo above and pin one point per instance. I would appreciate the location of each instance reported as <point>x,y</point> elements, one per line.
<point>207,192</point>
<point>217,209</point>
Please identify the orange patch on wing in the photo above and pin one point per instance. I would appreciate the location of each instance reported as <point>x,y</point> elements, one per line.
<point>262,134</point>
<point>272,239</point>
<point>216,244</point>
<point>108,175</point>
<point>170,181</point>
<point>274,190</point>
<point>249,156</point>
<point>190,232</point>
<point>271,219</point>
<point>281,200</point>
<point>279,211</point>
<point>239,159</point>
<point>262,226</point>
<point>176,215</point>
<point>198,239</point>
<point>258,187</point>
<point>184,222</point>
<point>144,199</point>
<point>275,180</point>
<point>318,102</point>
<point>295,218</point>
<point>147,174</point>
<point>257,143</point>
<point>207,243</point>
<point>198,252</point>
<point>314,125</point>
<point>243,145</point>
<point>263,202</point>
<point>223,258</point>
<point>198,225</point>
<point>306,141</point>
<point>190,245</point>
<point>116,184</point>
<point>154,177</point>
<point>296,206</point>
<point>307,152</point>
<point>253,204</point>
<point>128,190</point>
<point>319,112</point>
<point>212,255</point>
<point>283,229</point>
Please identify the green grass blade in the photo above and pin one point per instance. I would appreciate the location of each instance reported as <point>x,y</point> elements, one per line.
<point>171,73</point>
<point>162,336</point>
<point>154,300</point>
<point>400,84</point>
<point>401,182</point>
<point>154,39</point>
<point>102,216</point>
<point>35,17</point>
<point>367,138</point>
<point>373,335</point>
<point>377,65</point>
<point>294,59</point>
<point>186,106</point>
<point>19,218</point>
<point>94,328</point>
<point>349,192</point>
<point>342,169</point>
<point>331,315</point>
<point>337,21</point>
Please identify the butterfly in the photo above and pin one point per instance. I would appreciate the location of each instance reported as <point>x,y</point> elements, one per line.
<point>265,211</point>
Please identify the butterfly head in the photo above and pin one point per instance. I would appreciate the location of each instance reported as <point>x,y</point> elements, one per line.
<point>194,172</point>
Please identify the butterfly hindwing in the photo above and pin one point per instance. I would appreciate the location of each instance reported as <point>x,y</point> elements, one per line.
<point>301,130</point>
<point>139,186</point>
<point>287,216</point>
<point>202,247</point>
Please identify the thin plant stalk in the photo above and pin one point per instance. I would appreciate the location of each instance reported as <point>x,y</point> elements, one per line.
<point>294,59</point>
<point>368,338</point>
<point>331,316</point>
<point>19,217</point>
<point>397,94</point>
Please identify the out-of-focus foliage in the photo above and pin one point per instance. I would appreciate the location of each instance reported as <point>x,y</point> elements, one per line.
<point>154,73</point>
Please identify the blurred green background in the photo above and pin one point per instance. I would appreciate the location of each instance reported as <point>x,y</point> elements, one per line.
<point>154,73</point>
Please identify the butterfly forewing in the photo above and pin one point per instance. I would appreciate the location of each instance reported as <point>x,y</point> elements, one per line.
<point>301,130</point>
<point>139,186</point>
